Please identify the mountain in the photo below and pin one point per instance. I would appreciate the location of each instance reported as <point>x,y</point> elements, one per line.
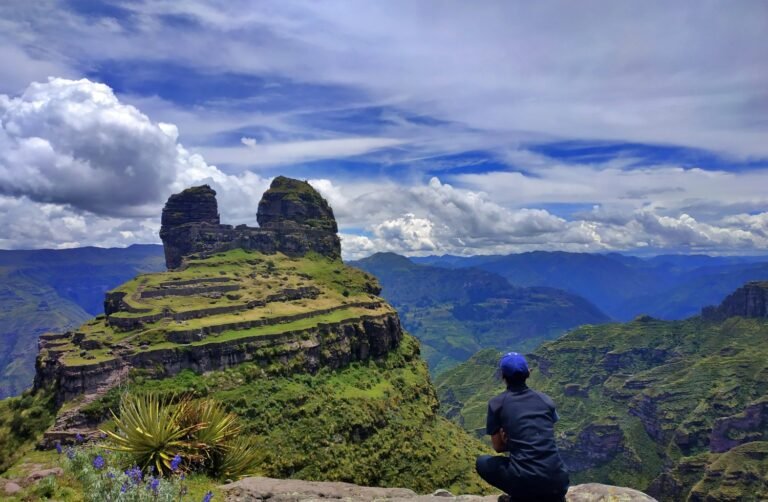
<point>675,408</point>
<point>665,286</point>
<point>271,323</point>
<point>456,312</point>
<point>28,308</point>
<point>54,290</point>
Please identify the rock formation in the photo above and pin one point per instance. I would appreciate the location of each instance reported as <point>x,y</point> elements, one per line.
<point>230,298</point>
<point>294,490</point>
<point>750,300</point>
<point>294,219</point>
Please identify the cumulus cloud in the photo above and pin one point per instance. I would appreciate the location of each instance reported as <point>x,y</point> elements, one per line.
<point>78,167</point>
<point>73,142</point>
<point>438,218</point>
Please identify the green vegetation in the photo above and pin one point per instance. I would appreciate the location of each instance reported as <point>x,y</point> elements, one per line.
<point>373,423</point>
<point>638,402</point>
<point>28,308</point>
<point>161,434</point>
<point>22,421</point>
<point>456,313</point>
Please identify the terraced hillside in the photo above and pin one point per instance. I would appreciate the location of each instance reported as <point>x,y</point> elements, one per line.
<point>674,408</point>
<point>274,326</point>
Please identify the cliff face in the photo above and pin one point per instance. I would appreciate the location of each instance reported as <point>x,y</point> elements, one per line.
<point>294,219</point>
<point>751,300</point>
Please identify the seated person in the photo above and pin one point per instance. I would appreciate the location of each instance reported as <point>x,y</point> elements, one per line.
<point>521,421</point>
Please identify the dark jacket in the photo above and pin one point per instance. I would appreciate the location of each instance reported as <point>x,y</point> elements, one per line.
<point>528,418</point>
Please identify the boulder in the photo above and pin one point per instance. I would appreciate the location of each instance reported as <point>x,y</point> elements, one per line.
<point>11,488</point>
<point>294,490</point>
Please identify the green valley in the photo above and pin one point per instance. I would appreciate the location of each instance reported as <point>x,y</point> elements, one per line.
<point>663,406</point>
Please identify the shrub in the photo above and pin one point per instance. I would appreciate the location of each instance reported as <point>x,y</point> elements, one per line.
<point>157,433</point>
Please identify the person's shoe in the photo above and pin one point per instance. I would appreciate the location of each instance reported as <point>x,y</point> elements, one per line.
<point>503,498</point>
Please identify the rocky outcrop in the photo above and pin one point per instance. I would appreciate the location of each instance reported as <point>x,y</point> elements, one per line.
<point>750,300</point>
<point>595,445</point>
<point>749,425</point>
<point>294,219</point>
<point>294,490</point>
<point>326,345</point>
<point>290,202</point>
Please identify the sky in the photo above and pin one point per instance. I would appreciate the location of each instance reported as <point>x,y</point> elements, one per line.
<point>431,126</point>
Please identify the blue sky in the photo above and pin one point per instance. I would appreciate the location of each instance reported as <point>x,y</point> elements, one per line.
<point>432,127</point>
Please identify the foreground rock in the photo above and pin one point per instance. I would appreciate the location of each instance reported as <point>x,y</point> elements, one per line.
<point>294,490</point>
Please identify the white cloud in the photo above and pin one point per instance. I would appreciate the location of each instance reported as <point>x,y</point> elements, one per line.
<point>73,142</point>
<point>688,74</point>
<point>438,218</point>
<point>255,153</point>
<point>78,167</point>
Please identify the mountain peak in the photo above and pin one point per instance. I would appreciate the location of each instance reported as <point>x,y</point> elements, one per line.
<point>293,202</point>
<point>750,300</point>
<point>295,220</point>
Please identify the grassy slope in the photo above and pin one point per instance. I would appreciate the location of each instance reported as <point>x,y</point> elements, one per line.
<point>52,291</point>
<point>701,371</point>
<point>374,423</point>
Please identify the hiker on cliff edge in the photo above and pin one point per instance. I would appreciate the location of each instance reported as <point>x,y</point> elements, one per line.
<point>521,421</point>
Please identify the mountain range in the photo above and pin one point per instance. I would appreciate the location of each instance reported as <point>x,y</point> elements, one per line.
<point>674,408</point>
<point>665,286</point>
<point>456,312</point>
<point>54,290</point>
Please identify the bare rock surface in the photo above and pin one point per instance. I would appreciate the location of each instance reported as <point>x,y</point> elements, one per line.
<point>294,490</point>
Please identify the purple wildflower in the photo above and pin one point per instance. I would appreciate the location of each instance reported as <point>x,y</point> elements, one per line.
<point>134,473</point>
<point>79,438</point>
<point>58,447</point>
<point>98,462</point>
<point>154,485</point>
<point>124,488</point>
<point>111,475</point>
<point>208,497</point>
<point>176,462</point>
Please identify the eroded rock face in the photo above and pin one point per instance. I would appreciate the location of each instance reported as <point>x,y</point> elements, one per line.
<point>327,345</point>
<point>749,425</point>
<point>750,300</point>
<point>294,219</point>
<point>291,203</point>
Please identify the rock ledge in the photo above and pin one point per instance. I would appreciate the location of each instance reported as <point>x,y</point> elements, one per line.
<point>294,490</point>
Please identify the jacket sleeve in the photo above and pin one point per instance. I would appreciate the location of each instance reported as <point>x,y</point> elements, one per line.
<point>492,422</point>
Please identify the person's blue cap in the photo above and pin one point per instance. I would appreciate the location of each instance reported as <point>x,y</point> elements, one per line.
<point>512,364</point>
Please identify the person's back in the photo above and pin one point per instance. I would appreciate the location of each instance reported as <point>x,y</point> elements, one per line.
<point>521,421</point>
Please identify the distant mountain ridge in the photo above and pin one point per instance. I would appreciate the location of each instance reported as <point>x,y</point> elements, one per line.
<point>665,286</point>
<point>456,312</point>
<point>674,408</point>
<point>53,290</point>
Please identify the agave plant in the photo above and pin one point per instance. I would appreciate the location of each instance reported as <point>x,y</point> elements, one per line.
<point>151,430</point>
<point>239,458</point>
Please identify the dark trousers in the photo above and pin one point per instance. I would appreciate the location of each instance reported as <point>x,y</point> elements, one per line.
<point>497,471</point>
